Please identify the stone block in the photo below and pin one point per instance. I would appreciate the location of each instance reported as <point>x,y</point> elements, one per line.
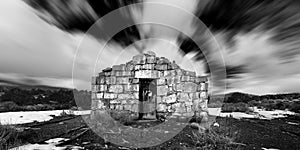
<point>101,74</point>
<point>139,59</point>
<point>159,99</point>
<point>115,101</point>
<point>191,73</point>
<point>95,88</point>
<point>109,96</point>
<point>162,90</point>
<point>129,66</point>
<point>192,95</point>
<point>110,80</point>
<point>107,74</point>
<point>148,66</point>
<point>173,66</point>
<point>161,67</point>
<point>150,59</point>
<point>116,88</point>
<point>161,108</point>
<point>172,80</point>
<point>135,87</point>
<point>122,80</point>
<point>161,81</point>
<point>134,80</point>
<point>179,72</point>
<point>135,95</point>
<point>108,69</point>
<point>183,97</point>
<point>112,106</point>
<point>99,95</point>
<point>179,87</point>
<point>192,79</point>
<point>163,60</point>
<point>135,108</point>
<point>160,74</point>
<point>171,90</point>
<point>202,87</point>
<point>100,80</point>
<point>125,96</point>
<point>146,74</point>
<point>119,67</point>
<point>190,87</point>
<point>127,107</point>
<point>171,98</point>
<point>167,73</point>
<point>102,88</point>
<point>201,79</point>
<point>150,53</point>
<point>138,67</point>
<point>94,95</point>
<point>203,95</point>
<point>185,78</point>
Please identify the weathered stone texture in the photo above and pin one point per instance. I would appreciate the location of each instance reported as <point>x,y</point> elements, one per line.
<point>179,92</point>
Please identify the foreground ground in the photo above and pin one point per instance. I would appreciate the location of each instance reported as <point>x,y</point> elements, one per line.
<point>281,133</point>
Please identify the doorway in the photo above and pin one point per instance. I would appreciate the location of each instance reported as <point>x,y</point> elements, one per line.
<point>147,98</point>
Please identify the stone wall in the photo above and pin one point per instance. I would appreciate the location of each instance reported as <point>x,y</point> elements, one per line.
<point>179,92</point>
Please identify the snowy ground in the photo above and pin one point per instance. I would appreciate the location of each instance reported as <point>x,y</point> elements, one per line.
<point>257,113</point>
<point>51,145</point>
<point>31,116</point>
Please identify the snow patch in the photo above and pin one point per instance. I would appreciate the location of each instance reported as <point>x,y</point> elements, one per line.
<point>257,113</point>
<point>31,116</point>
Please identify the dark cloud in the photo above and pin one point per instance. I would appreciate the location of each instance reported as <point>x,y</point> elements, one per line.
<point>236,16</point>
<point>80,15</point>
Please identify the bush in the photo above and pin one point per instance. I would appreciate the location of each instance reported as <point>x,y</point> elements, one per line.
<point>295,107</point>
<point>214,140</point>
<point>8,106</point>
<point>235,107</point>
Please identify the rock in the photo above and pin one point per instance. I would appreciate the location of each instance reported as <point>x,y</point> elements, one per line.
<point>150,60</point>
<point>201,79</point>
<point>108,69</point>
<point>110,80</point>
<point>185,78</point>
<point>190,87</point>
<point>116,89</point>
<point>161,108</point>
<point>99,95</point>
<point>161,67</point>
<point>162,90</point>
<point>109,96</point>
<point>122,80</point>
<point>102,88</point>
<point>170,99</point>
<point>150,53</point>
<point>183,97</point>
<point>161,81</point>
<point>146,74</point>
<point>163,60</point>
<point>139,59</point>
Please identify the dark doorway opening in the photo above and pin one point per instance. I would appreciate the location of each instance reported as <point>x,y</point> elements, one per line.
<point>147,98</point>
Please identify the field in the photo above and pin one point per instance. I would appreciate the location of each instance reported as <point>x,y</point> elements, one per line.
<point>280,133</point>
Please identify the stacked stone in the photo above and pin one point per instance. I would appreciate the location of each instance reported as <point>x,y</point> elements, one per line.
<point>182,93</point>
<point>116,88</point>
<point>179,91</point>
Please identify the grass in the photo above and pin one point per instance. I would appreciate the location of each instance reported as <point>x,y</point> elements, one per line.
<point>8,137</point>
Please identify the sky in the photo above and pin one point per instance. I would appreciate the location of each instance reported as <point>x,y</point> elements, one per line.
<point>41,45</point>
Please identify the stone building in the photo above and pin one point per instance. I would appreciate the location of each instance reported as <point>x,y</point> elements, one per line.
<point>150,86</point>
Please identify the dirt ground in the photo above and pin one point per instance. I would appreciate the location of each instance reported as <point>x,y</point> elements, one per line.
<point>251,133</point>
